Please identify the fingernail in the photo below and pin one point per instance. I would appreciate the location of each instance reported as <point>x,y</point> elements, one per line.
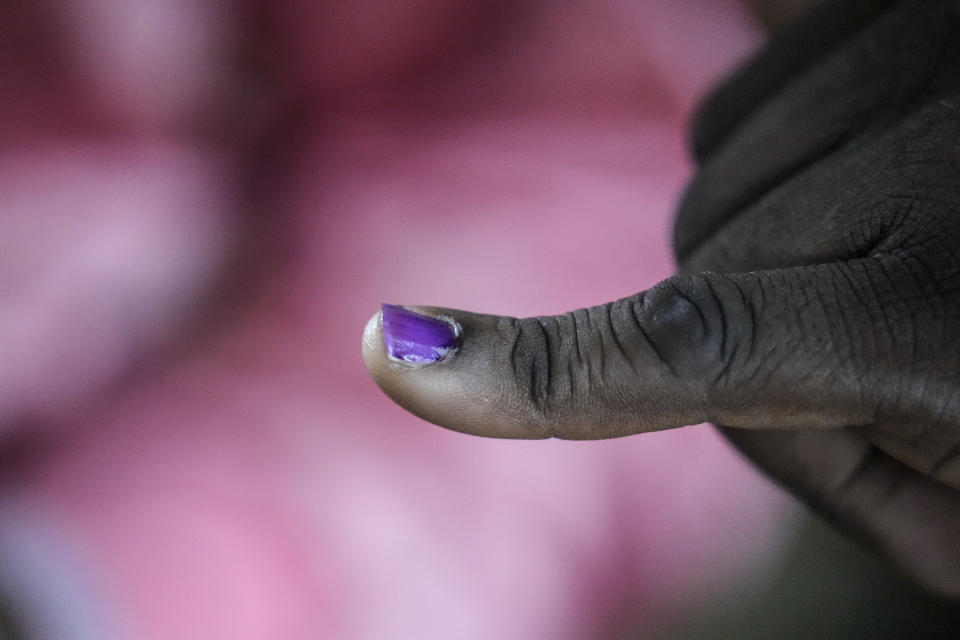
<point>415,338</point>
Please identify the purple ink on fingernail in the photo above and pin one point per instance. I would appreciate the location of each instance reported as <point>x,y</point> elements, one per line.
<point>415,338</point>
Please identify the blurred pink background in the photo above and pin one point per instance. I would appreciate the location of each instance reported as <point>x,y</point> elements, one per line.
<point>202,202</point>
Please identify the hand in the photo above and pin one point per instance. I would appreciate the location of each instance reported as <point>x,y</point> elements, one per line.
<point>817,309</point>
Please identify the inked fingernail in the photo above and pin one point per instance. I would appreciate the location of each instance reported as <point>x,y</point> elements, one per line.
<point>415,338</point>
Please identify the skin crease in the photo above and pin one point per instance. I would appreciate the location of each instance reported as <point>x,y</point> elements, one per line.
<point>819,287</point>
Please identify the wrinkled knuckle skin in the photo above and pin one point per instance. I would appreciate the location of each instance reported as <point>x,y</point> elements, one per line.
<point>549,368</point>
<point>696,327</point>
<point>530,362</point>
<point>560,365</point>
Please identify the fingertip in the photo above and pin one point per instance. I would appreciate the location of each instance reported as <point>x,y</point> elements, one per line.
<point>382,369</point>
<point>454,381</point>
<point>372,344</point>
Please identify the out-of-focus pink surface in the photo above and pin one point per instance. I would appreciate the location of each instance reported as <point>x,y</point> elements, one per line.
<point>191,247</point>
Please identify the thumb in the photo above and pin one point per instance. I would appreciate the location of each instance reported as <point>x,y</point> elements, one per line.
<point>746,350</point>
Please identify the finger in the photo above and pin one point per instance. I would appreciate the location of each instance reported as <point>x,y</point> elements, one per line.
<point>745,350</point>
<point>851,204</point>
<point>907,517</point>
<point>814,37</point>
<point>886,72</point>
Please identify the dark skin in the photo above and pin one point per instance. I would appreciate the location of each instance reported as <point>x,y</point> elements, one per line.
<point>816,315</point>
